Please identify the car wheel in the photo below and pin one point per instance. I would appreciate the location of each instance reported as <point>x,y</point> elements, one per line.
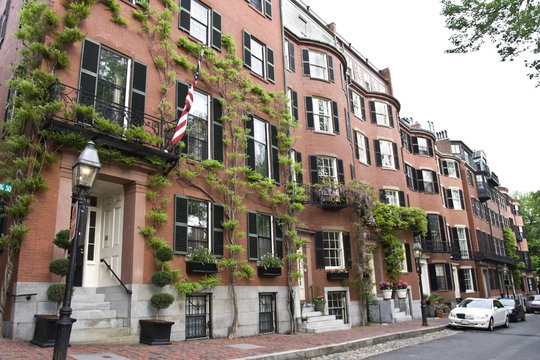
<point>490,325</point>
<point>506,322</point>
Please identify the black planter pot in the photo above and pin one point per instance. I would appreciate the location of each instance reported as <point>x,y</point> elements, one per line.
<point>155,332</point>
<point>337,275</point>
<point>269,271</point>
<point>45,331</point>
<point>195,267</point>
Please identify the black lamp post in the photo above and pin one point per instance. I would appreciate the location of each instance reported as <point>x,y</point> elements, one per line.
<point>85,170</point>
<point>417,251</point>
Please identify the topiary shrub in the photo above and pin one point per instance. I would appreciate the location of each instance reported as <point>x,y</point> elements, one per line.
<point>164,253</point>
<point>55,292</point>
<point>161,300</point>
<point>60,266</point>
<point>162,278</point>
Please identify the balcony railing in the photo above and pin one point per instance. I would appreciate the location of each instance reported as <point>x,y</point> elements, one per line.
<point>117,114</point>
<point>436,246</point>
<point>484,256</point>
<point>331,198</point>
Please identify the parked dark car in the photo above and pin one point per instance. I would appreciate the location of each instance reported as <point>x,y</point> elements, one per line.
<point>532,303</point>
<point>516,311</point>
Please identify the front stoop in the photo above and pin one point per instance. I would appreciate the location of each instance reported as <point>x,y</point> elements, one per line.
<point>317,322</point>
<point>400,316</point>
<point>96,321</point>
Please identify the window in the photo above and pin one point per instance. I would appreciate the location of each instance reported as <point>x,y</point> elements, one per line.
<point>197,223</point>
<point>197,132</point>
<point>261,147</point>
<point>317,65</point>
<point>455,199</point>
<point>293,102</point>
<point>427,181</point>
<point>362,148</point>
<point>406,141</point>
<point>386,154</point>
<point>461,237</point>
<point>392,197</point>
<point>410,176</point>
<point>450,168</point>
<point>264,236</point>
<point>3,22</point>
<point>516,209</point>
<point>200,22</point>
<point>267,313</point>
<point>258,4</point>
<point>357,105</point>
<point>258,57</point>
<point>322,167</point>
<point>456,149</point>
<point>327,168</point>
<point>466,280</point>
<point>470,180</point>
<point>296,175</point>
<point>113,84</point>
<point>333,250</point>
<point>381,113</point>
<point>422,146</point>
<point>440,277</point>
<point>435,232</point>
<point>337,305</point>
<point>289,55</point>
<point>322,115</point>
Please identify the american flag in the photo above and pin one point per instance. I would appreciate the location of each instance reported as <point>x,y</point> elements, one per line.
<point>182,121</point>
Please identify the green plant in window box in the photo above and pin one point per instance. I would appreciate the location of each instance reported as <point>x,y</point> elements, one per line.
<point>202,255</point>
<point>270,261</point>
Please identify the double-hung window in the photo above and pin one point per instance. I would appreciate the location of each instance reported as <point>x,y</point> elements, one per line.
<point>327,168</point>
<point>440,277</point>
<point>288,50</point>
<point>264,234</point>
<point>436,234</point>
<point>455,199</point>
<point>357,105</point>
<point>450,168</point>
<point>461,238</point>
<point>386,154</point>
<point>317,65</point>
<point>264,6</point>
<point>410,176</point>
<point>197,223</point>
<point>467,281</point>
<point>296,167</point>
<point>258,57</point>
<point>322,115</point>
<point>392,197</point>
<point>362,148</point>
<point>427,181</point>
<point>262,148</point>
<point>332,249</point>
<point>202,23</point>
<point>381,113</point>
<point>422,146</point>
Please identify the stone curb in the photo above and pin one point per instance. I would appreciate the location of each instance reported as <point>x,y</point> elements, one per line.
<point>344,346</point>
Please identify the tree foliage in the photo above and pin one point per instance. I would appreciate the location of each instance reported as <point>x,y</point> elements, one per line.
<point>511,25</point>
<point>530,210</point>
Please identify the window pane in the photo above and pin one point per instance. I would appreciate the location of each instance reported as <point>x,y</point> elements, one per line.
<point>381,111</point>
<point>321,115</point>
<point>332,249</point>
<point>199,22</point>
<point>257,57</point>
<point>317,65</point>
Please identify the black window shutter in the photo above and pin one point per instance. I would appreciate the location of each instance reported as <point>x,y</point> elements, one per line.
<point>181,93</point>
<point>444,167</point>
<point>457,170</point>
<point>347,249</point>
<point>268,8</point>
<point>396,155</point>
<point>420,180</point>
<point>298,160</point>
<point>217,231</point>
<point>185,16</point>
<point>409,143</point>
<point>435,182</point>
<point>414,145</point>
<point>378,158</point>
<point>461,277</point>
<point>415,182</point>
<point>305,62</point>
<point>330,62</point>
<point>90,58</point>
<point>444,197</point>
<point>180,224</point>
<point>250,143</point>
<point>455,235</point>
<point>253,251</point>
<point>450,199</point>
<point>270,64</point>
<point>340,171</point>
<point>275,153</point>
<point>382,196</point>
<point>468,236</point>
<point>347,123</point>
<point>432,277</point>
<point>461,200</point>
<point>473,275</point>
<point>448,273</point>
<point>356,151</point>
<point>363,106</point>
<point>335,117</point>
<point>309,113</point>
<point>294,101</point>
<point>372,112</point>
<point>390,115</point>
<point>314,172</point>
<point>218,130</point>
<point>278,238</point>
<point>138,94</point>
<point>216,30</point>
<point>401,198</point>
<point>408,257</point>
<point>319,250</point>
<point>291,57</point>
<point>247,49</point>
<point>368,153</point>
<point>442,228</point>
<point>430,147</point>
<point>342,72</point>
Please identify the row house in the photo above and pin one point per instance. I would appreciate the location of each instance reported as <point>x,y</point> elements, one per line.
<point>349,128</point>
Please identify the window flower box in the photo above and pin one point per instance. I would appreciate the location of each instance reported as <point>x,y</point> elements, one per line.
<point>268,271</point>
<point>337,275</point>
<point>196,267</point>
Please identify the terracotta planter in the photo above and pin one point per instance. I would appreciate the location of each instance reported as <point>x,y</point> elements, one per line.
<point>334,275</point>
<point>155,332</point>
<point>269,271</point>
<point>387,294</point>
<point>195,267</point>
<point>402,293</point>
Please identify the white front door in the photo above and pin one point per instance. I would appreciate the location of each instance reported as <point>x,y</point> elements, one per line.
<point>91,251</point>
<point>111,238</point>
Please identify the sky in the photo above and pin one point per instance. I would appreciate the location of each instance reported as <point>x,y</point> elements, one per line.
<point>488,104</point>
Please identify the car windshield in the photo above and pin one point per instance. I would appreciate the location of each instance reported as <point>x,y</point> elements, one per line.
<point>476,303</point>
<point>508,302</point>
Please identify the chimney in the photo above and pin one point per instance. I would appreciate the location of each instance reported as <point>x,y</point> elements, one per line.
<point>332,27</point>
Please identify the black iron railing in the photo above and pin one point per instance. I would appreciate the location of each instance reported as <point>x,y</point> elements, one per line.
<point>436,246</point>
<point>331,198</point>
<point>116,276</point>
<point>485,256</point>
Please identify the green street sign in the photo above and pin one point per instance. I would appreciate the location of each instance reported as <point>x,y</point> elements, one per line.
<point>5,187</point>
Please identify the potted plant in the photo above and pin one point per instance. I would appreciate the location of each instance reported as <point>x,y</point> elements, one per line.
<point>401,289</point>
<point>386,288</point>
<point>155,331</point>
<point>319,302</point>
<point>201,261</point>
<point>45,331</point>
<point>338,274</point>
<point>269,265</point>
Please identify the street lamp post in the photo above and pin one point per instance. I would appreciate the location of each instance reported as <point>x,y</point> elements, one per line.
<point>417,250</point>
<point>85,170</point>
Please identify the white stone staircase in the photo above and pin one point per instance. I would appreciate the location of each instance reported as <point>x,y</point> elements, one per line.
<point>316,322</point>
<point>398,315</point>
<point>96,321</point>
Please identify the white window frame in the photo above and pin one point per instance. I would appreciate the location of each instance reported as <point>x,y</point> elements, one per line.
<point>456,149</point>
<point>337,260</point>
<point>429,183</point>
<point>423,148</point>
<point>322,117</point>
<point>356,105</point>
<point>456,199</point>
<point>318,70</point>
<point>197,21</point>
<point>203,116</point>
<point>292,155</point>
<point>451,166</point>
<point>387,154</point>
<point>392,197</point>
<point>468,280</point>
<point>327,168</point>
<point>381,113</point>
<point>361,144</point>
<point>263,141</point>
<point>258,59</point>
<point>286,55</point>
<point>404,268</point>
<point>462,242</point>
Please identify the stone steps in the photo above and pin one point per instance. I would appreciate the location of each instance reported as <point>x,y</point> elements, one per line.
<point>316,322</point>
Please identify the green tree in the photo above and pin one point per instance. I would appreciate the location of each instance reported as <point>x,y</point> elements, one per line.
<point>511,25</point>
<point>530,210</point>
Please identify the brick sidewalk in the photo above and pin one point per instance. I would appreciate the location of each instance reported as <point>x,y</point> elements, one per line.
<point>273,346</point>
